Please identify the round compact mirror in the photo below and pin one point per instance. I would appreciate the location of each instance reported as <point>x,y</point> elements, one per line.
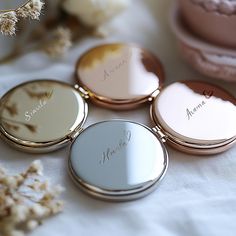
<point>127,160</point>
<point>41,115</point>
<point>196,117</point>
<point>119,76</point>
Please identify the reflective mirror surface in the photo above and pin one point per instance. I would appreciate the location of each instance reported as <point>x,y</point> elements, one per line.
<point>40,112</point>
<point>196,113</point>
<point>119,73</point>
<point>115,159</point>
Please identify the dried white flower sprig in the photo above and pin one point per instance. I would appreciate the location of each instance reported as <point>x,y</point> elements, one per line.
<point>60,43</point>
<point>8,22</point>
<point>9,18</point>
<point>25,200</point>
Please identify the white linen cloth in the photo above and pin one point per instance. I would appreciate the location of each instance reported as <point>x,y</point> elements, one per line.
<point>198,195</point>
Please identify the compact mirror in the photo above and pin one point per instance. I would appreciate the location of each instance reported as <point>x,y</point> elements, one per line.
<point>196,117</point>
<point>126,161</point>
<point>119,76</point>
<point>41,115</point>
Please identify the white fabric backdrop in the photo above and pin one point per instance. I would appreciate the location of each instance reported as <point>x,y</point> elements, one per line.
<point>198,194</point>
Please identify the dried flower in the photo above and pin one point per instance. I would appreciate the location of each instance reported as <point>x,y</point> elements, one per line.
<point>8,22</point>
<point>8,19</point>
<point>35,168</point>
<point>60,43</point>
<point>31,9</point>
<point>25,200</point>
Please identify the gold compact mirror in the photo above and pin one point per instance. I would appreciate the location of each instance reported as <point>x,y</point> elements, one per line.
<point>41,115</point>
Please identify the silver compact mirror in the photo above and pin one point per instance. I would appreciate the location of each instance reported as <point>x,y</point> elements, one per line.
<point>118,160</point>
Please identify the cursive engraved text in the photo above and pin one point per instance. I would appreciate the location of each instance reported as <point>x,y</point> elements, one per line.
<point>108,73</point>
<point>42,103</point>
<point>111,152</point>
<point>191,112</point>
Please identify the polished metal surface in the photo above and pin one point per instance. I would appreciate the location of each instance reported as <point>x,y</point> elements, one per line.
<point>196,117</point>
<point>119,75</point>
<point>117,160</point>
<point>41,115</point>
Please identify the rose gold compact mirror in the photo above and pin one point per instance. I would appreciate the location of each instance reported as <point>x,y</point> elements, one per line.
<point>119,76</point>
<point>196,117</point>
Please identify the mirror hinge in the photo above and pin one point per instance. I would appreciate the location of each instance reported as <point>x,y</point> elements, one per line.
<point>160,134</point>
